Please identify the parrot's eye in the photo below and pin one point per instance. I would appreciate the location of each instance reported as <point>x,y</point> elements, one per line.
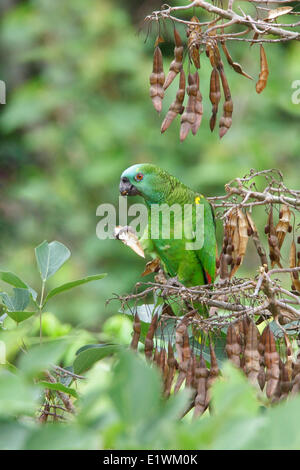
<point>139,176</point>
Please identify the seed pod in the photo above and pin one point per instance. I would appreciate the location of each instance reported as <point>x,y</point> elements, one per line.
<point>233,348</point>
<point>201,377</point>
<point>188,118</point>
<point>272,363</point>
<point>176,64</point>
<point>184,363</point>
<point>213,373</point>
<point>273,241</point>
<point>226,119</point>
<point>214,96</point>
<point>293,264</point>
<point>150,336</point>
<point>198,106</point>
<point>136,332</point>
<point>171,371</point>
<point>261,378</point>
<point>193,33</point>
<point>264,71</point>
<point>157,79</point>
<point>235,65</point>
<point>283,225</point>
<point>252,357</point>
<point>177,105</point>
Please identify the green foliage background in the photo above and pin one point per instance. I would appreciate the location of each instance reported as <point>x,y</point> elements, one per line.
<point>78,113</point>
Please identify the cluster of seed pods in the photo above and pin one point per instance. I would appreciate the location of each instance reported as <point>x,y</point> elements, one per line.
<point>191,114</point>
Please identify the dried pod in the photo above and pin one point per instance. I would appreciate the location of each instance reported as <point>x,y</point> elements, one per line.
<point>236,227</point>
<point>214,96</point>
<point>264,71</point>
<point>136,332</point>
<point>261,378</point>
<point>259,247</point>
<point>283,225</point>
<point>188,118</point>
<point>213,373</point>
<point>149,337</point>
<point>198,106</point>
<point>272,363</point>
<point>293,264</point>
<point>177,105</point>
<point>226,119</point>
<point>235,65</point>
<point>171,371</point>
<point>176,64</point>
<point>193,33</point>
<point>273,241</point>
<point>201,373</point>
<point>128,236</point>
<point>233,348</point>
<point>157,79</point>
<point>251,354</point>
<point>184,363</point>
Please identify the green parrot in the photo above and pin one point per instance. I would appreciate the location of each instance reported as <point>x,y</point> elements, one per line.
<point>191,267</point>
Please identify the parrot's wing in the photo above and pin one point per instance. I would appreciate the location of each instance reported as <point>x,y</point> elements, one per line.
<point>207,254</point>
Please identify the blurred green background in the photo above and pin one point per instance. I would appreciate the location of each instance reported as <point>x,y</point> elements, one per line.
<point>78,113</point>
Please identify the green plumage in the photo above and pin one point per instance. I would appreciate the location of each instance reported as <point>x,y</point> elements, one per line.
<point>192,267</point>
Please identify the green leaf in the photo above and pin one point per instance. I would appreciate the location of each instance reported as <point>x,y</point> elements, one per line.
<point>50,257</point>
<point>14,280</point>
<point>70,285</point>
<point>135,390</point>
<point>16,395</point>
<point>18,301</point>
<point>60,387</point>
<point>40,357</point>
<point>89,354</point>
<point>20,316</point>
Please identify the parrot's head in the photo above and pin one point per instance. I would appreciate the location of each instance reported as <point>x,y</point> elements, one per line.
<point>145,180</point>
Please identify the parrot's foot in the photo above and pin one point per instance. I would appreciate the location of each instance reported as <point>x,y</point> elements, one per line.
<point>174,282</point>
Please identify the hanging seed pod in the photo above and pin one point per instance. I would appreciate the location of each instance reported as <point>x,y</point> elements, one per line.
<point>190,379</point>
<point>237,229</point>
<point>214,96</point>
<point>261,378</point>
<point>260,249</point>
<point>177,105</point>
<point>272,363</point>
<point>235,65</point>
<point>293,264</point>
<point>157,79</point>
<point>193,33</point>
<point>201,373</point>
<point>252,357</point>
<point>183,365</point>
<point>285,380</point>
<point>171,371</point>
<point>213,373</point>
<point>149,337</point>
<point>179,335</point>
<point>176,64</point>
<point>188,118</point>
<point>273,241</point>
<point>226,119</point>
<point>283,225</point>
<point>296,376</point>
<point>264,71</point>
<point>198,106</point>
<point>233,348</point>
<point>136,332</point>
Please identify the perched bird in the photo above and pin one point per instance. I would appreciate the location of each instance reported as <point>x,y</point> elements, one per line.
<point>190,267</point>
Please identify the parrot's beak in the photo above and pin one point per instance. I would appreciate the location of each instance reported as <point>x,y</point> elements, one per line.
<point>126,188</point>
